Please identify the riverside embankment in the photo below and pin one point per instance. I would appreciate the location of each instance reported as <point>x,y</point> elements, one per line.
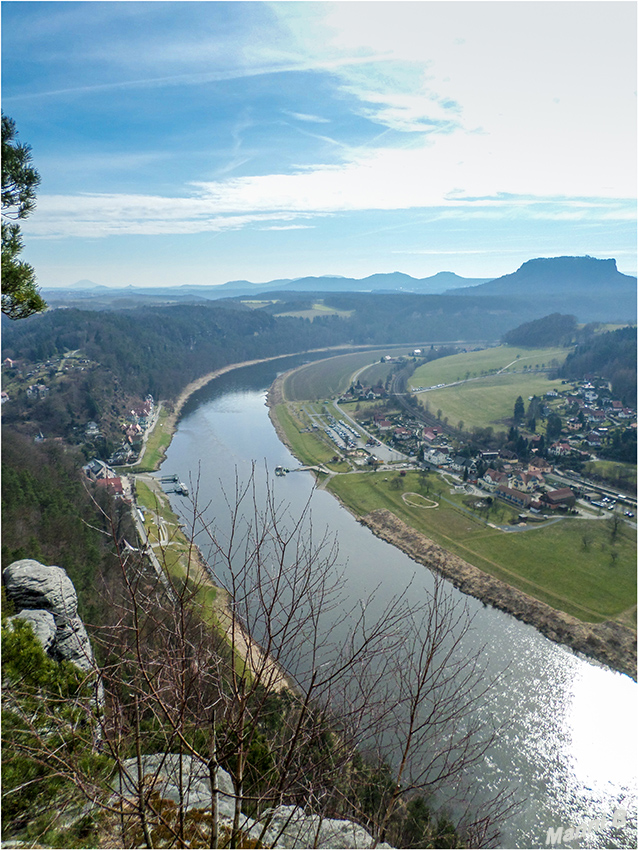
<point>608,642</point>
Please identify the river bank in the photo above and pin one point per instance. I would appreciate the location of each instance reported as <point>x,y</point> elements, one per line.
<point>609,643</point>
<point>168,423</point>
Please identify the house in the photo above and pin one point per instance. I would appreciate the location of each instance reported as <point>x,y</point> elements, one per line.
<point>9,363</point>
<point>37,390</point>
<point>594,439</point>
<point>540,466</point>
<point>97,470</point>
<point>430,434</point>
<point>526,482</point>
<point>4,396</point>
<point>506,454</point>
<point>384,424</point>
<point>402,434</point>
<point>563,496</point>
<point>522,500</point>
<point>113,485</point>
<point>560,449</point>
<point>492,479</point>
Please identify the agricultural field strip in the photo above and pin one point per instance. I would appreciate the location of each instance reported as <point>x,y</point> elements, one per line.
<point>329,377</point>
<point>450,370</point>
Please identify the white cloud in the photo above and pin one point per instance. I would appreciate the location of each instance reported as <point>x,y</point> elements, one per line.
<point>302,116</point>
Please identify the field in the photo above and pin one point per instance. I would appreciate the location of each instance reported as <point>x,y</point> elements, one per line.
<point>485,398</point>
<point>328,378</point>
<point>485,402</point>
<point>621,475</point>
<point>473,364</point>
<point>573,565</point>
<point>158,441</point>
<point>318,309</point>
<point>309,447</point>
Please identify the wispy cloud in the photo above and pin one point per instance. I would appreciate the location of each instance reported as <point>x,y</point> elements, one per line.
<point>302,116</point>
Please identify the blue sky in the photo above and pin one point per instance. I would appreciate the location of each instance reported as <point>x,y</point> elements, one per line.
<point>200,142</point>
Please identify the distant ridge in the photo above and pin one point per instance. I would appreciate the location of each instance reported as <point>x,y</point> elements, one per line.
<point>589,288</point>
<point>586,287</point>
<point>382,282</point>
<point>567,273</point>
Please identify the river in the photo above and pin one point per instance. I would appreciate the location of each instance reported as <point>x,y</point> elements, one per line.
<point>570,746</point>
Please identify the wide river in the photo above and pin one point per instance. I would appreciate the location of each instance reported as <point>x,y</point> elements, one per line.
<point>570,745</point>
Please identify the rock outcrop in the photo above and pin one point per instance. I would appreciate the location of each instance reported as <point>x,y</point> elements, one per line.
<point>45,597</point>
<point>288,826</point>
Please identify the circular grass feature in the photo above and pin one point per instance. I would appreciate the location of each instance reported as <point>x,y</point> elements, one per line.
<point>416,500</point>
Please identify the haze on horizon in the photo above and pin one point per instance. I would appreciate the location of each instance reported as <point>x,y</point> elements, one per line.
<point>203,142</point>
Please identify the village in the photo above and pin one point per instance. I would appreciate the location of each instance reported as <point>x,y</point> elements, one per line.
<point>527,470</point>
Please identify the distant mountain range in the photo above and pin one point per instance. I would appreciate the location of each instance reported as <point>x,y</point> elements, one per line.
<point>589,288</point>
<point>391,282</point>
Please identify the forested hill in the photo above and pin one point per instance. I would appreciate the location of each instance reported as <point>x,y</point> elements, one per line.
<point>160,349</point>
<point>611,356</point>
<point>556,329</point>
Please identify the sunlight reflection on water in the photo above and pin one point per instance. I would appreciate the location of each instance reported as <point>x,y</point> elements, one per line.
<point>569,738</point>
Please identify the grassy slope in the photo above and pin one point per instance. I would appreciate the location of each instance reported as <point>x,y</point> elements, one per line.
<point>328,378</point>
<point>488,401</point>
<point>485,401</point>
<point>550,562</point>
<point>456,367</point>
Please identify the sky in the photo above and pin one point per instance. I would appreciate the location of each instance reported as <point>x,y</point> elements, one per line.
<point>202,142</point>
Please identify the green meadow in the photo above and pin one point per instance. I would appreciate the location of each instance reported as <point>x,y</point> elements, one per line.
<point>492,380</point>
<point>329,378</point>
<point>578,566</point>
<point>486,402</point>
<point>472,364</point>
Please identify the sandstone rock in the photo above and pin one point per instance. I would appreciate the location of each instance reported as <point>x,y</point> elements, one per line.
<point>43,625</point>
<point>72,644</point>
<point>47,592</point>
<point>291,827</point>
<point>165,768</point>
<point>30,584</point>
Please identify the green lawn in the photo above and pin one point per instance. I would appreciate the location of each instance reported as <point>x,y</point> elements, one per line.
<point>318,309</point>
<point>309,447</point>
<point>485,402</point>
<point>474,363</point>
<point>572,565</point>
<point>613,472</point>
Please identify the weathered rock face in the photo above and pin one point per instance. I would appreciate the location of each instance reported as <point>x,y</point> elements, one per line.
<point>291,827</point>
<point>288,827</point>
<point>45,597</point>
<point>161,772</point>
<point>31,585</point>
<point>43,625</point>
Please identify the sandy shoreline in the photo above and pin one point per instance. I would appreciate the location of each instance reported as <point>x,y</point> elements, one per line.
<point>610,643</point>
